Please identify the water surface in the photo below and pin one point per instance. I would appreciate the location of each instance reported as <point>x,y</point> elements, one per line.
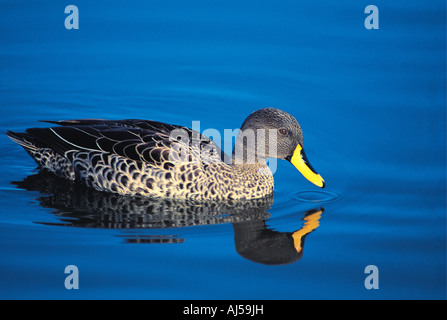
<point>371,104</point>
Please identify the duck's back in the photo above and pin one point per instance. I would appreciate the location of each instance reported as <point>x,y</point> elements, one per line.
<point>128,156</point>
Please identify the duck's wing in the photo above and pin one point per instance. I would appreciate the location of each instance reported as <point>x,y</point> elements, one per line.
<point>139,140</point>
<point>154,126</point>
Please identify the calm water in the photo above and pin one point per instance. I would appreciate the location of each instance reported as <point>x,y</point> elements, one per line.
<point>371,104</point>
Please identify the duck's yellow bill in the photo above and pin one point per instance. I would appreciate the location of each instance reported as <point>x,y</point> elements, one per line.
<point>299,160</point>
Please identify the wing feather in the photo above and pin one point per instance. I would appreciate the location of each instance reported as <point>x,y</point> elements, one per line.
<point>139,140</point>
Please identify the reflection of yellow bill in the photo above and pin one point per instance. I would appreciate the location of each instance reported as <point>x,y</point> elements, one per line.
<point>299,160</point>
<point>312,222</point>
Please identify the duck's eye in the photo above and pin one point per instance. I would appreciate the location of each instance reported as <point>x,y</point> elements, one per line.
<point>283,132</point>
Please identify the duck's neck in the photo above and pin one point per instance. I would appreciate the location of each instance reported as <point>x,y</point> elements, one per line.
<point>246,152</point>
<point>252,173</point>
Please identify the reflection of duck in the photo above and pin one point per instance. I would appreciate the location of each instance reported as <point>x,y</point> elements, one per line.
<point>259,244</point>
<point>156,159</point>
<point>76,205</point>
<point>79,206</point>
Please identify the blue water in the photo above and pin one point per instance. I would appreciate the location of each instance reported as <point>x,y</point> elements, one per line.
<point>371,104</point>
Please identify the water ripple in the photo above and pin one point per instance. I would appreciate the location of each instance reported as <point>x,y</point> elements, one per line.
<point>312,196</point>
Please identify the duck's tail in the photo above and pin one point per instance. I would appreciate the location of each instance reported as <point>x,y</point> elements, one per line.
<point>44,156</point>
<point>24,139</point>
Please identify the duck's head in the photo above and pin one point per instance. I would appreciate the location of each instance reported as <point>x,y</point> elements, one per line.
<point>277,134</point>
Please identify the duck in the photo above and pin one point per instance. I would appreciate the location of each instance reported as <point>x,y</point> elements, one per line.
<point>155,159</point>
